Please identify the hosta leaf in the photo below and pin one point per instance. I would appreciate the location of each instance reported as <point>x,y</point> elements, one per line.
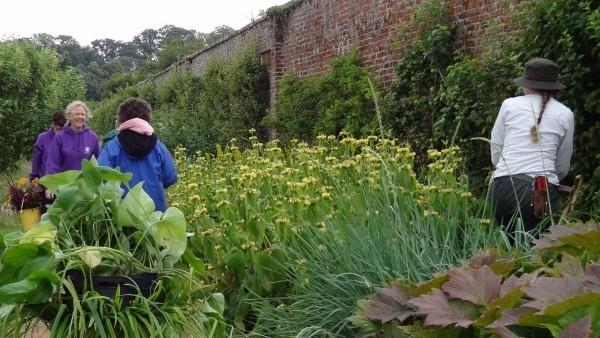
<point>91,174</point>
<point>389,304</point>
<point>570,265</point>
<point>39,234</point>
<point>110,174</point>
<point>91,258</point>
<point>579,329</point>
<point>138,203</point>
<point>443,312</point>
<point>193,261</point>
<point>476,286</point>
<point>34,289</point>
<point>54,181</point>
<point>547,291</point>
<point>169,232</point>
<point>591,277</point>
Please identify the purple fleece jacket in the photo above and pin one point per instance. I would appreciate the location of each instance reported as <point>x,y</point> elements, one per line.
<point>69,148</point>
<point>38,159</point>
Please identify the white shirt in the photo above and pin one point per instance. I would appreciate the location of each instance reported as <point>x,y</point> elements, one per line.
<point>513,149</point>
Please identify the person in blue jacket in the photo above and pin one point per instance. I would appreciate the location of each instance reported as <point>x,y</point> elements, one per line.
<point>137,150</point>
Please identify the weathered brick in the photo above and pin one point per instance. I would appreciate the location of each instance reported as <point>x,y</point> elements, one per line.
<point>318,30</point>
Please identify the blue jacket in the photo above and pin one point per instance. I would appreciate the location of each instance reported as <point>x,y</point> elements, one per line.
<point>148,160</point>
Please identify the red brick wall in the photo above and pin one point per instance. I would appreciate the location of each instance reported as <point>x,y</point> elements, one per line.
<point>318,30</point>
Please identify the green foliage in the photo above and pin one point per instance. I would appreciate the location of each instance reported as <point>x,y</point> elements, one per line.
<point>312,229</point>
<point>444,96</point>
<point>296,109</point>
<point>31,87</point>
<point>176,49</point>
<point>341,100</point>
<point>92,228</point>
<point>567,32</point>
<point>229,99</point>
<point>105,113</point>
<point>554,293</point>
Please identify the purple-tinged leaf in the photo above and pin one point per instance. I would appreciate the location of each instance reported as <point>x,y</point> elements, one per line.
<point>491,258</point>
<point>514,282</point>
<point>556,233</point>
<point>569,265</point>
<point>504,332</point>
<point>579,329</point>
<point>476,286</point>
<point>482,258</point>
<point>591,277</point>
<point>443,312</point>
<point>427,286</point>
<point>510,317</point>
<point>389,304</point>
<point>547,291</point>
<point>589,240</point>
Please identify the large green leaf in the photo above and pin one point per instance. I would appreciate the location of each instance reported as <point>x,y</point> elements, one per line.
<point>110,174</point>
<point>91,174</point>
<point>54,181</point>
<point>193,261</point>
<point>27,273</point>
<point>67,197</point>
<point>169,232</point>
<point>137,204</point>
<point>39,234</point>
<point>35,289</point>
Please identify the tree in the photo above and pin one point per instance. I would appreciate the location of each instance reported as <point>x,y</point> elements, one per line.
<point>107,49</point>
<point>31,86</point>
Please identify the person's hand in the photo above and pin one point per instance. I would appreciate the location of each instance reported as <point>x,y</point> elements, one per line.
<point>49,194</point>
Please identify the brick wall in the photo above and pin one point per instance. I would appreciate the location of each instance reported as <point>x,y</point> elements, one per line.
<point>317,30</point>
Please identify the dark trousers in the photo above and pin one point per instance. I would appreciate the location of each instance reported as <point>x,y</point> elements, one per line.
<point>511,194</point>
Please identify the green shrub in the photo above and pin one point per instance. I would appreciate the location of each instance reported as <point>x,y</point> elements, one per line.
<point>340,100</point>
<point>444,96</point>
<point>31,87</point>
<point>296,109</point>
<point>568,33</point>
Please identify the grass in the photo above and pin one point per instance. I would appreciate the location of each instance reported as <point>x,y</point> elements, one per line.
<point>376,237</point>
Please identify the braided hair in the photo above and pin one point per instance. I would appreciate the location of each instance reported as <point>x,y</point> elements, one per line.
<point>546,96</point>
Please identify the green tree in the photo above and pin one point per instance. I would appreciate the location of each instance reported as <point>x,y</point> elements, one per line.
<point>31,87</point>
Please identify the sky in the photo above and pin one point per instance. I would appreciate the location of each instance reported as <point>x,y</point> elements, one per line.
<point>87,20</point>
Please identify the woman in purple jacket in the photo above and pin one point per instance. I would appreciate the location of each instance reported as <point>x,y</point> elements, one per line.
<point>75,143</point>
<point>38,160</point>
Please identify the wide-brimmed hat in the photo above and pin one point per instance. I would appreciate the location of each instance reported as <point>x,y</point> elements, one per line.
<point>540,74</point>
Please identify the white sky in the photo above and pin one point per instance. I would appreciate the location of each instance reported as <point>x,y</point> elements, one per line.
<point>87,20</point>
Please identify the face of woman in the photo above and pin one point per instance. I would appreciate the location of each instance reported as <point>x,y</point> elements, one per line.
<point>78,118</point>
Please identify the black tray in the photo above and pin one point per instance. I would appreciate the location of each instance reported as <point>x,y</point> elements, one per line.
<point>107,285</point>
